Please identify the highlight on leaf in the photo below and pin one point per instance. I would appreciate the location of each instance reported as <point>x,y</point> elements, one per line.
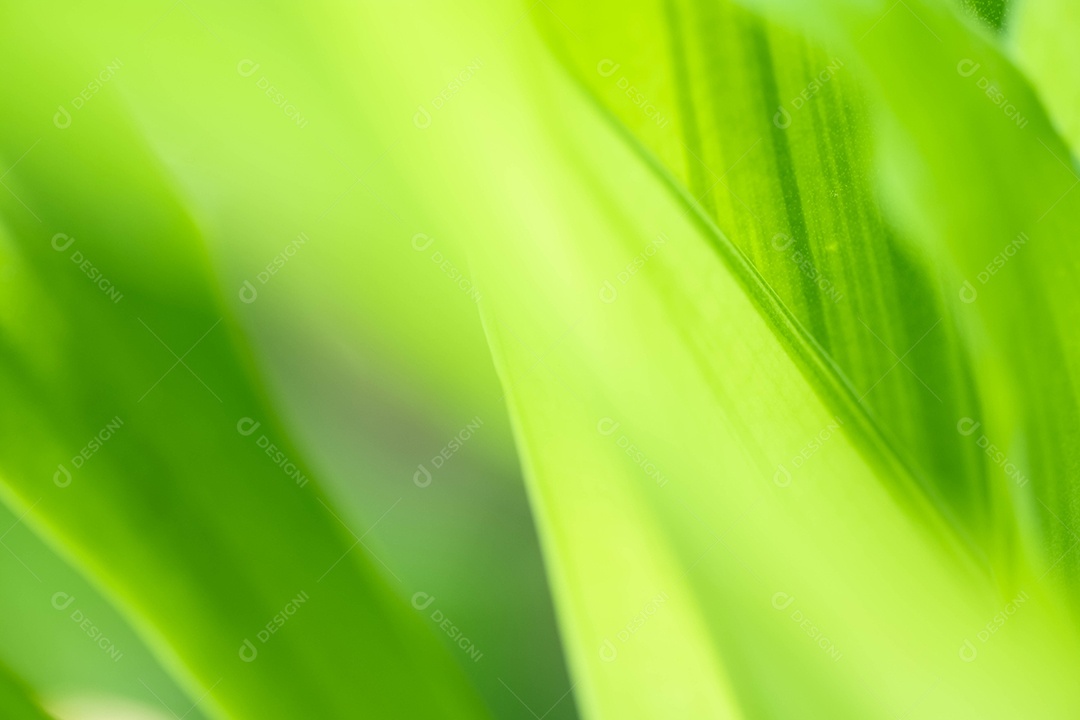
<point>685,358</point>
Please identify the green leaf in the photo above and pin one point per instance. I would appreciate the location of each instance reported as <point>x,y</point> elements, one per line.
<point>904,205</point>
<point>76,652</point>
<point>996,225</point>
<point>1039,39</point>
<point>16,701</point>
<point>775,421</point>
<point>767,135</point>
<point>660,553</point>
<point>781,155</point>
<point>126,391</point>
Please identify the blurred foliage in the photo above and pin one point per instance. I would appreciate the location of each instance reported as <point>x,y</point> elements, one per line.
<point>431,359</point>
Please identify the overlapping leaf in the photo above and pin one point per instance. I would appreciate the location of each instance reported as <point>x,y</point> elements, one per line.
<point>135,435</point>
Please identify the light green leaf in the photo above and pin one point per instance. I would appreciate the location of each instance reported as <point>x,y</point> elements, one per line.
<point>1040,38</point>
<point>677,373</point>
<point>779,156</point>
<point>996,225</point>
<point>705,547</point>
<point>126,438</point>
<point>16,702</point>
<point>74,652</point>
